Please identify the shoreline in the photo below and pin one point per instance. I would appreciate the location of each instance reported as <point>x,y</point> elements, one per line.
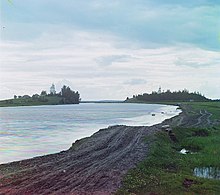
<point>93,165</point>
<point>78,129</point>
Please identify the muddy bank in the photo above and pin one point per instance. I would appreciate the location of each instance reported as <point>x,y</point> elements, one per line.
<point>93,165</point>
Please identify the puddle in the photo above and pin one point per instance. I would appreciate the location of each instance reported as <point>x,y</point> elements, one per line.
<point>207,172</point>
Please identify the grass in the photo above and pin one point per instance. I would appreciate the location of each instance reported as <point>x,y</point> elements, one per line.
<point>212,107</point>
<point>49,100</point>
<point>165,169</point>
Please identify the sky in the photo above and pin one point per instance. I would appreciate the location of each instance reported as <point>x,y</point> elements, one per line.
<point>109,49</point>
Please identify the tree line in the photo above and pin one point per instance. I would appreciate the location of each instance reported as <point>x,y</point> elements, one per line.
<point>65,96</point>
<point>183,95</point>
<point>69,96</point>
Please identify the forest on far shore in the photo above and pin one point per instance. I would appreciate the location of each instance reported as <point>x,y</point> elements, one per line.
<point>183,95</point>
<point>65,96</point>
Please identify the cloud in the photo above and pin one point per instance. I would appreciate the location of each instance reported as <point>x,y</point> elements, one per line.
<point>150,23</point>
<point>195,63</point>
<point>109,49</point>
<point>135,82</point>
<point>29,67</point>
<point>108,60</point>
<point>197,58</point>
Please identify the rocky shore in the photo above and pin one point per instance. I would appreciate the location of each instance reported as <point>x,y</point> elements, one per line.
<point>93,165</point>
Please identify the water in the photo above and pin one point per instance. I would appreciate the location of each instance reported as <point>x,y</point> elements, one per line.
<point>207,172</point>
<point>32,131</point>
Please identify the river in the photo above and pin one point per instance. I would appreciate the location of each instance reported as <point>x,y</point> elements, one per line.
<point>31,131</point>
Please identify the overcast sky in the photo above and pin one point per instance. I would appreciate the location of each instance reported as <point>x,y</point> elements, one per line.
<point>110,49</point>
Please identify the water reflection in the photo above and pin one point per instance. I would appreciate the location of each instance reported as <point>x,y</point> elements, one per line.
<point>207,172</point>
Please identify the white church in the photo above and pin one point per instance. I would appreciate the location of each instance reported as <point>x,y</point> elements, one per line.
<point>52,89</point>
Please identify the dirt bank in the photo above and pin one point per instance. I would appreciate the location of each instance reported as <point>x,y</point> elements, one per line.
<point>93,165</point>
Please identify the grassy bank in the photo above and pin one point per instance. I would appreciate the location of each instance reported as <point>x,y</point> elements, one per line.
<point>49,100</point>
<point>166,171</point>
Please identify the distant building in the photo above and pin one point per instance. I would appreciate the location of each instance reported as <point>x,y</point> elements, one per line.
<point>52,89</point>
<point>159,90</point>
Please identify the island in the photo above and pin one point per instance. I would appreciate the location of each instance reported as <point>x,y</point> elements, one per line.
<point>168,96</point>
<point>65,96</point>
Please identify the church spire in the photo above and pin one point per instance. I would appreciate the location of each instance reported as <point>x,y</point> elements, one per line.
<point>52,89</point>
<point>159,90</point>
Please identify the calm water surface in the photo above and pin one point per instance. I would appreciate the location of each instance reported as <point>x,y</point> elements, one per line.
<point>32,131</point>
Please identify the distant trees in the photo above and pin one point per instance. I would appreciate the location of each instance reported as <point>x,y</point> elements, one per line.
<point>39,98</point>
<point>183,95</point>
<point>9,101</point>
<point>69,96</point>
<point>26,96</point>
<point>65,96</point>
<point>43,93</point>
<point>35,96</point>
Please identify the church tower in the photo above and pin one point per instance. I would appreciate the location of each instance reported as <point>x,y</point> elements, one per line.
<point>52,89</point>
<point>159,90</point>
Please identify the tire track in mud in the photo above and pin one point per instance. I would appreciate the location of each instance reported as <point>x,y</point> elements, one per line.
<point>92,166</point>
<point>204,119</point>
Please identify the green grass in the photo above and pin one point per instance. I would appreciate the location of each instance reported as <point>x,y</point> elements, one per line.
<point>212,107</point>
<point>165,169</point>
<point>48,100</point>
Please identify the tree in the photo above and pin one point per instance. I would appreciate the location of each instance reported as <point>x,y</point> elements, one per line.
<point>43,93</point>
<point>35,96</point>
<point>183,95</point>
<point>69,96</point>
